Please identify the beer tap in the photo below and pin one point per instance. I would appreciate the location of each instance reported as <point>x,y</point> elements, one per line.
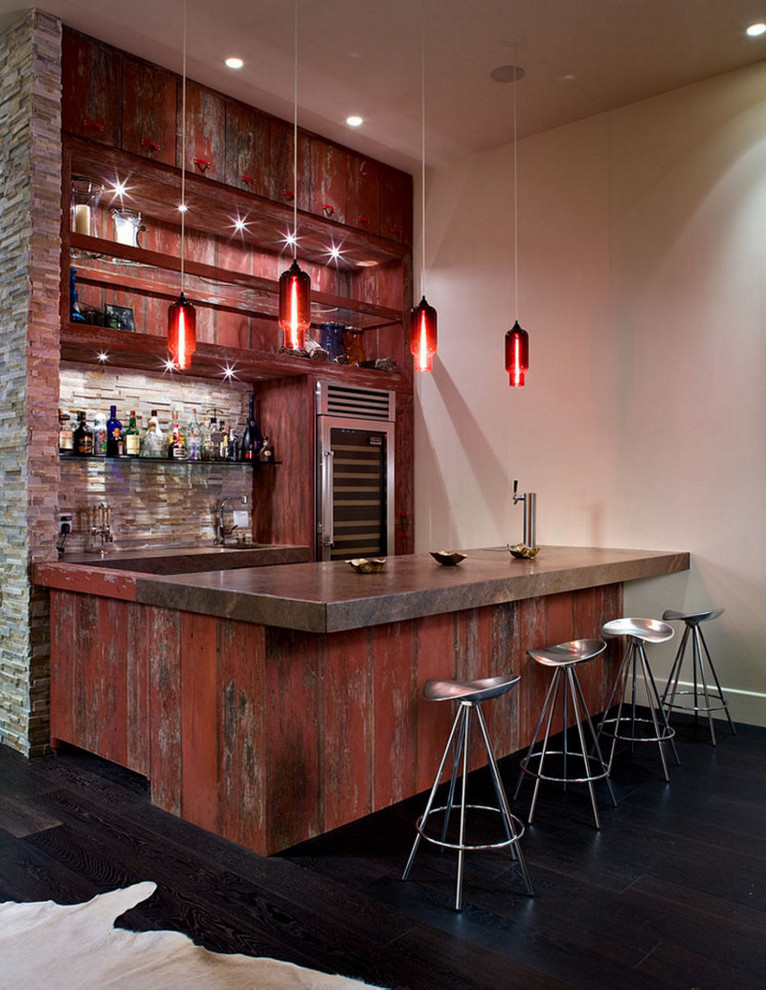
<point>530,514</point>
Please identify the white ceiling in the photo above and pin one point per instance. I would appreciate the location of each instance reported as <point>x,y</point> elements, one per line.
<point>364,56</point>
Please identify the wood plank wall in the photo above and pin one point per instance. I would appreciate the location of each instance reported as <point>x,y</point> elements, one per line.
<point>269,736</point>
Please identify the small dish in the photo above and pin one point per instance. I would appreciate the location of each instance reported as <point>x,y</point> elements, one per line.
<point>449,558</point>
<point>367,565</point>
<point>520,552</point>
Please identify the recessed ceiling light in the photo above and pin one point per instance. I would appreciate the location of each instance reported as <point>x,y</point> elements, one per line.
<point>755,30</point>
<point>367,263</point>
<point>507,73</point>
<point>354,121</point>
<point>234,63</point>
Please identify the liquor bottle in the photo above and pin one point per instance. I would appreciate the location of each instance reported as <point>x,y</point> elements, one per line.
<point>99,434</point>
<point>206,440</point>
<point>177,446</point>
<point>232,445</point>
<point>132,437</point>
<point>82,438</point>
<point>193,438</point>
<point>75,316</point>
<point>114,442</point>
<point>65,433</point>
<point>152,442</point>
<point>266,451</point>
<point>251,438</point>
<point>217,439</point>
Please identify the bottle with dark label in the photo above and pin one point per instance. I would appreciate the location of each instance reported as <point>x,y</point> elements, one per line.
<point>251,438</point>
<point>177,445</point>
<point>217,439</point>
<point>114,441</point>
<point>232,445</point>
<point>65,433</point>
<point>82,438</point>
<point>132,437</point>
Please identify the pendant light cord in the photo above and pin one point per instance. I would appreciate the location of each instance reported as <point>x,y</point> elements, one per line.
<point>295,130</point>
<point>183,154</point>
<point>422,161</point>
<point>515,189</point>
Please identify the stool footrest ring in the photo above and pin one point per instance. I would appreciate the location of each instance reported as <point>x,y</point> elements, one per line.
<point>593,763</point>
<point>517,824</point>
<point>614,733</point>
<point>712,696</point>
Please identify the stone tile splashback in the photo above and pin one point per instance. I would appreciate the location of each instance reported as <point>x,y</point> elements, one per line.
<point>152,503</point>
<point>30,171</point>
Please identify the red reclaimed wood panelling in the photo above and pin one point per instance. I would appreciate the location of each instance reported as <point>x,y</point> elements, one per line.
<point>329,180</point>
<point>148,111</point>
<point>112,681</point>
<point>291,754</point>
<point>534,679</point>
<point>394,687</point>
<point>164,662</point>
<point>63,623</point>
<point>613,608</point>
<point>247,149</point>
<point>199,719</point>
<point>344,727</point>
<point>434,653</point>
<point>283,510</point>
<point>587,606</point>
<point>205,132</point>
<point>137,741</point>
<point>243,740</point>
<point>560,620</point>
<point>87,720</point>
<point>91,89</point>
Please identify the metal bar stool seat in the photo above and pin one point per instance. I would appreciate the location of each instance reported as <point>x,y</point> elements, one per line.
<point>714,701</point>
<point>567,767</point>
<point>470,695</point>
<point>632,726</point>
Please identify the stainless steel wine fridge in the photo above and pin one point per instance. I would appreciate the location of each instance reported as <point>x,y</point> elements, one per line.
<point>355,471</point>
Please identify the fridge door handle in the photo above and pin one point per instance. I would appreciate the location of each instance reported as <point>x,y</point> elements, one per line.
<point>328,534</point>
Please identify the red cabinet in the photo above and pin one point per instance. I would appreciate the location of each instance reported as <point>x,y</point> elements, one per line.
<point>91,80</point>
<point>205,131</point>
<point>149,111</point>
<point>329,180</point>
<point>395,199</point>
<point>247,159</point>
<point>281,183</point>
<point>363,206</point>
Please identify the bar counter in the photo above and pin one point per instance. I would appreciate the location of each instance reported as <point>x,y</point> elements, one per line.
<point>270,704</point>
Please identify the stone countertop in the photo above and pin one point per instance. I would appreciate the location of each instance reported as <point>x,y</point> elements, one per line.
<point>331,597</point>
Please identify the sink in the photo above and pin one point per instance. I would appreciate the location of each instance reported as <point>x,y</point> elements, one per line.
<point>190,560</point>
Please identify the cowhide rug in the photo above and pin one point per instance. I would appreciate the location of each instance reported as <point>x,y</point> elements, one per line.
<point>77,947</point>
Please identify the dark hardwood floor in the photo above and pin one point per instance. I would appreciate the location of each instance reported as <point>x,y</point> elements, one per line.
<point>670,894</point>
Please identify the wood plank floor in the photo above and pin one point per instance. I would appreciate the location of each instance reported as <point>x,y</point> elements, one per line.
<point>671,893</point>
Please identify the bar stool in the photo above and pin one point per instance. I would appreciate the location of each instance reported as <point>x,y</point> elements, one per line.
<point>632,727</point>
<point>693,620</point>
<point>565,686</point>
<point>471,695</point>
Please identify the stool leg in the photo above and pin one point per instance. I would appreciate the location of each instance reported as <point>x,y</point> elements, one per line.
<point>453,778</point>
<point>571,678</point>
<point>594,737</point>
<point>699,669</point>
<point>655,707</point>
<point>464,784</point>
<point>675,672</point>
<point>505,811</point>
<point>458,719</point>
<point>526,758</point>
<point>717,683</point>
<point>620,680</point>
<point>544,751</point>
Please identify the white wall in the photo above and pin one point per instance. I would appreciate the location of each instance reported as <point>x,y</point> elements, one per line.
<point>642,265</point>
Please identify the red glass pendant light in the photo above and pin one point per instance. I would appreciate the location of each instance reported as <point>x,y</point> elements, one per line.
<point>516,354</point>
<point>423,335</point>
<point>182,332</point>
<point>294,306</point>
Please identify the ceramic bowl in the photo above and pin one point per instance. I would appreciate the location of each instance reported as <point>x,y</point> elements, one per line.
<point>367,565</point>
<point>520,552</point>
<point>449,558</point>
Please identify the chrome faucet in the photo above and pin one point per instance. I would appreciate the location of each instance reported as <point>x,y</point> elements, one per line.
<point>222,530</point>
<point>101,528</point>
<point>530,514</point>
